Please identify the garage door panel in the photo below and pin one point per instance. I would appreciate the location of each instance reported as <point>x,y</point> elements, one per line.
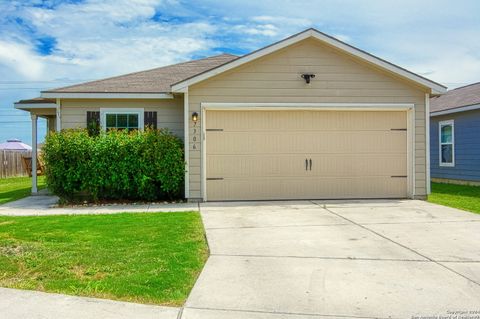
<point>254,155</point>
<point>279,165</point>
<point>306,188</point>
<point>288,165</point>
<point>323,142</point>
<point>305,120</point>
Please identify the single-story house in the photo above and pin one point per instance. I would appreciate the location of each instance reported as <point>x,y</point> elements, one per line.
<point>308,117</point>
<point>455,136</point>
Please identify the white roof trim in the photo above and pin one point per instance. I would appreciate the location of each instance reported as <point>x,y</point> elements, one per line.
<point>435,87</point>
<point>456,110</point>
<point>308,106</point>
<point>29,106</point>
<point>68,95</point>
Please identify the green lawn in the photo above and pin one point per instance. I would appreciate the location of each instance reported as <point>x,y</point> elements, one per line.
<point>143,257</point>
<point>17,187</point>
<point>458,196</point>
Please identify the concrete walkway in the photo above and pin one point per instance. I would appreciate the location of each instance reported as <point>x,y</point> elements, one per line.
<point>44,205</point>
<point>337,259</point>
<point>24,304</point>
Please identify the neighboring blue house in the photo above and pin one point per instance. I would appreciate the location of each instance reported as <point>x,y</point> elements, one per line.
<point>455,136</point>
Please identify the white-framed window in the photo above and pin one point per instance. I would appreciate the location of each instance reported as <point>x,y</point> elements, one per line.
<point>446,141</point>
<point>121,118</point>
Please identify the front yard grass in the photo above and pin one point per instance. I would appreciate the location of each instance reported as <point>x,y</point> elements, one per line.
<point>143,257</point>
<point>14,188</point>
<point>457,196</point>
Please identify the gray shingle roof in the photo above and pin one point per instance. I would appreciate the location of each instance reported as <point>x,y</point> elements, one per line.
<point>156,80</point>
<point>459,97</point>
<point>37,100</point>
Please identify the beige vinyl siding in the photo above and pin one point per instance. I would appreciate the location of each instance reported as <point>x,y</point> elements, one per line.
<point>169,111</point>
<point>51,124</point>
<point>339,78</point>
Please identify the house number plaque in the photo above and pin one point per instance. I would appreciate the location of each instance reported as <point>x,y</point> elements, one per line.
<point>194,136</point>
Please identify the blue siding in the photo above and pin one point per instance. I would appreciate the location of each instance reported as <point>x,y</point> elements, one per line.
<point>467,146</point>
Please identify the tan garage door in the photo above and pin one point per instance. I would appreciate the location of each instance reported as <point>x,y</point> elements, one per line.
<point>260,155</point>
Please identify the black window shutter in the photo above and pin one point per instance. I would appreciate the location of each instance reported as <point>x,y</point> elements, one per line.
<point>93,118</point>
<point>93,123</point>
<point>150,119</point>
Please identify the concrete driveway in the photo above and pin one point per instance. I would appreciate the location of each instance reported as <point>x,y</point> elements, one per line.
<point>369,259</point>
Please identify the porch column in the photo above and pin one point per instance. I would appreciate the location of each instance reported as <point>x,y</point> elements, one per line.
<point>34,153</point>
<point>58,116</point>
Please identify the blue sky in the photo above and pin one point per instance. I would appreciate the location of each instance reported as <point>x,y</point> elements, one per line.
<point>53,43</point>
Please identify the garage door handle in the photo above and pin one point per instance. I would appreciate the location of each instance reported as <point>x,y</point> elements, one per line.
<point>306,164</point>
<point>310,164</point>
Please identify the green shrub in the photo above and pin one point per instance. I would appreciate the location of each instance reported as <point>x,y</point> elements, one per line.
<point>145,165</point>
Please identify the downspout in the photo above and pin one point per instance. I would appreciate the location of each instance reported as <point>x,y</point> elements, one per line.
<point>427,145</point>
<point>186,141</point>
<point>34,154</point>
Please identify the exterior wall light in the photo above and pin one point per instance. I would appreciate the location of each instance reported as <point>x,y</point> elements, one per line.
<point>307,77</point>
<point>194,117</point>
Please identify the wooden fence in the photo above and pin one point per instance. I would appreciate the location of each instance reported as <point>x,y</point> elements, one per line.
<point>11,163</point>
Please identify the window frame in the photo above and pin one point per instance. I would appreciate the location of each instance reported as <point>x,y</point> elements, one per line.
<point>441,124</point>
<point>138,111</point>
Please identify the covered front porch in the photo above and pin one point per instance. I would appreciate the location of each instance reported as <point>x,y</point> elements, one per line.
<point>48,109</point>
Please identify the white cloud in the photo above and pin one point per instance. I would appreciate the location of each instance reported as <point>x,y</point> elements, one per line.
<point>106,11</point>
<point>282,20</point>
<point>97,39</point>
<point>261,29</point>
<point>21,60</point>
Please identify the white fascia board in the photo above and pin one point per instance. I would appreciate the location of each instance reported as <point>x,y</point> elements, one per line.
<point>64,95</point>
<point>436,88</point>
<point>307,106</point>
<point>29,106</point>
<point>456,110</point>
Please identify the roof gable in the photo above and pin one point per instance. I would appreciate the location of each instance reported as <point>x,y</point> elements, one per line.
<point>311,33</point>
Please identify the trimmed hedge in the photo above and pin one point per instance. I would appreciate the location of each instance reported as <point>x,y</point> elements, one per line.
<point>146,165</point>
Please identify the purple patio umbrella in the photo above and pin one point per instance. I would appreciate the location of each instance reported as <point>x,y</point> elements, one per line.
<point>14,145</point>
